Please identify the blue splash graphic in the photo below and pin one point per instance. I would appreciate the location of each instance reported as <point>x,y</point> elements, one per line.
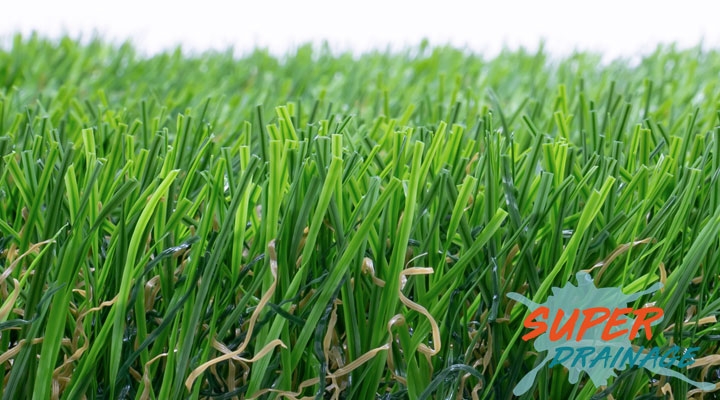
<point>597,357</point>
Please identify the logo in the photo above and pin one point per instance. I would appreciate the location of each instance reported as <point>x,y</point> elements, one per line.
<point>590,329</point>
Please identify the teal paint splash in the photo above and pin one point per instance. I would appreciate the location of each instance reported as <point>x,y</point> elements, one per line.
<point>583,296</point>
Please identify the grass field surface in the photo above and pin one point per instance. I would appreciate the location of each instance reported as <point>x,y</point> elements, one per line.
<point>326,225</point>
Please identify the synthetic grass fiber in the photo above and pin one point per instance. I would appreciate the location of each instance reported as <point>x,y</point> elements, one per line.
<point>328,225</point>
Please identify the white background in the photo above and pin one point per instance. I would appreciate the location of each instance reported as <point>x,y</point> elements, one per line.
<point>617,28</point>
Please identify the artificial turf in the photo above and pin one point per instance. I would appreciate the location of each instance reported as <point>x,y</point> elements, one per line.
<point>225,225</point>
